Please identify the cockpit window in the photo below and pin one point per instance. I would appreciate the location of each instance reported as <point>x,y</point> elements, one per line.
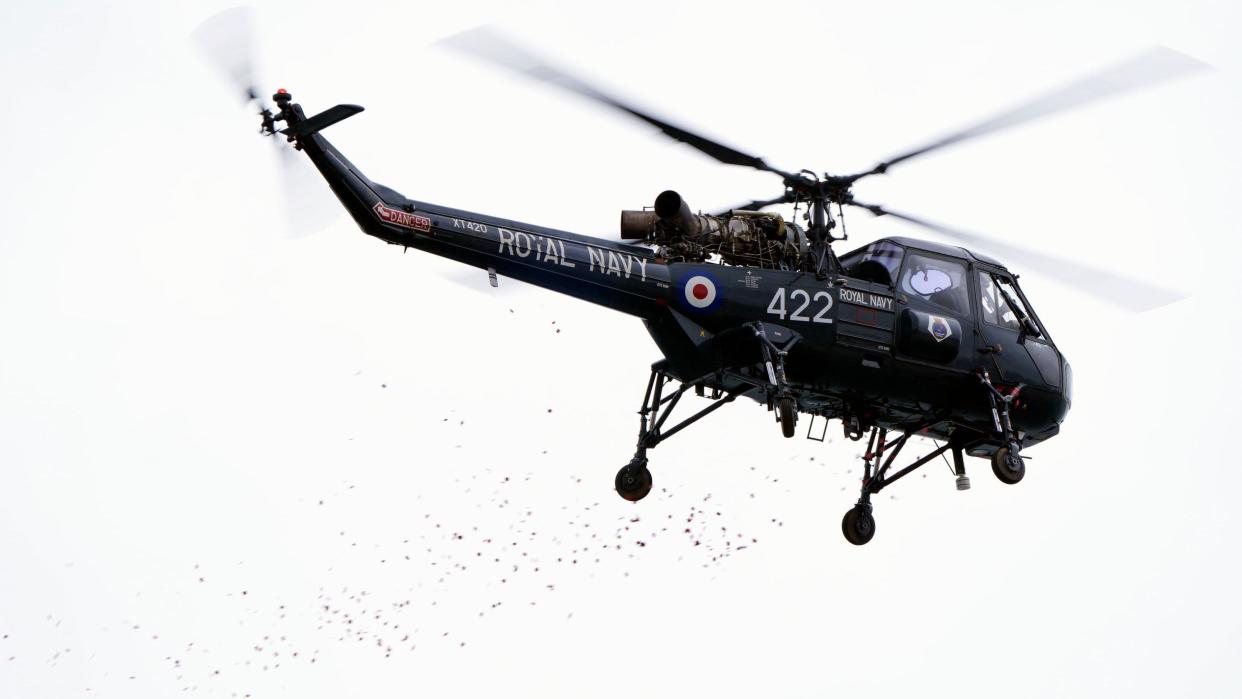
<point>930,281</point>
<point>995,294</point>
<point>936,280</point>
<point>878,262</point>
<point>990,303</point>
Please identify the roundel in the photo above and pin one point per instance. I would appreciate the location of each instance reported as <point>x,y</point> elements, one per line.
<point>699,292</point>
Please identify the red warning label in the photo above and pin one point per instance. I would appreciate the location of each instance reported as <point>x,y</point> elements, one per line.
<point>401,218</point>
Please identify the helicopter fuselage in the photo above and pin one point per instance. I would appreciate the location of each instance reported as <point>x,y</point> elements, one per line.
<point>862,350</point>
<point>901,337</point>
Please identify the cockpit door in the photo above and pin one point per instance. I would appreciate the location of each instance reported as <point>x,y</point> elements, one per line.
<point>1011,336</point>
<point>935,324</point>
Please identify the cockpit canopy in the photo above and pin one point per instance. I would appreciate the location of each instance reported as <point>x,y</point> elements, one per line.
<point>877,262</point>
<point>939,275</point>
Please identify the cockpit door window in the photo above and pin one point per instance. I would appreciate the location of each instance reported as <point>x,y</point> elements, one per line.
<point>936,280</point>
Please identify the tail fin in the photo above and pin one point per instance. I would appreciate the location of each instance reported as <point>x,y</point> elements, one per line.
<point>321,121</point>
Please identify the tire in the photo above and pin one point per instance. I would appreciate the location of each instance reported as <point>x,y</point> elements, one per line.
<point>788,411</point>
<point>633,482</point>
<point>1008,470</point>
<point>858,525</point>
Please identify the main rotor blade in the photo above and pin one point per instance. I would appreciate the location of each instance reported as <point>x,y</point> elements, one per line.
<point>1115,288</point>
<point>1148,68</point>
<point>756,205</point>
<point>483,43</point>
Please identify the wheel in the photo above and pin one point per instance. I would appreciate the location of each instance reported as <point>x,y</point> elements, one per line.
<point>788,411</point>
<point>633,482</point>
<point>1009,468</point>
<point>858,525</point>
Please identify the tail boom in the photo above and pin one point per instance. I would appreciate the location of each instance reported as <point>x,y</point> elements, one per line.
<point>623,277</point>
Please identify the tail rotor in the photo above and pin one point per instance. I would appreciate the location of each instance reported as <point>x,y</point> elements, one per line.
<point>227,41</point>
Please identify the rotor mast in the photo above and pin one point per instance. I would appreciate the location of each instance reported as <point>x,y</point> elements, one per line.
<point>820,193</point>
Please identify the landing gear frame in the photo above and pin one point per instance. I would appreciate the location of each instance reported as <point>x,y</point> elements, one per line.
<point>858,525</point>
<point>634,480</point>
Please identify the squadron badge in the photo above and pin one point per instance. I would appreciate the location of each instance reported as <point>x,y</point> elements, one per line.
<point>939,328</point>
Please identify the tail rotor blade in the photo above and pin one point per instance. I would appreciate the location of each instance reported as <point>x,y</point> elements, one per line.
<point>1118,289</point>
<point>227,41</point>
<point>308,204</point>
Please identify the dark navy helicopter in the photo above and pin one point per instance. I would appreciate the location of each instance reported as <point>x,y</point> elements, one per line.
<point>898,339</point>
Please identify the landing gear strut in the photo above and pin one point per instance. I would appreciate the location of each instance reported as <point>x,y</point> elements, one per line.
<point>858,525</point>
<point>633,481</point>
<point>774,363</point>
<point>1007,462</point>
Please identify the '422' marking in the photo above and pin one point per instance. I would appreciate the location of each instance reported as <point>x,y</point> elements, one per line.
<point>777,306</point>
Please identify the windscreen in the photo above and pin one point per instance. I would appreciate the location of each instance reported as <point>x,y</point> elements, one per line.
<point>996,292</point>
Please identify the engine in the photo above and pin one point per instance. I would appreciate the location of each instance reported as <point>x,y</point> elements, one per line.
<point>750,238</point>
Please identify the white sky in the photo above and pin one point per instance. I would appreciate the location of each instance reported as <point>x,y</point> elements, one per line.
<point>185,394</point>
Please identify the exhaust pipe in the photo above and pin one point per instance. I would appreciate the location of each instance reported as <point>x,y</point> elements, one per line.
<point>637,225</point>
<point>672,215</point>
<point>675,213</point>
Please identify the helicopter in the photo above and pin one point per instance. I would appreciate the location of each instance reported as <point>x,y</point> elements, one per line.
<point>899,339</point>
